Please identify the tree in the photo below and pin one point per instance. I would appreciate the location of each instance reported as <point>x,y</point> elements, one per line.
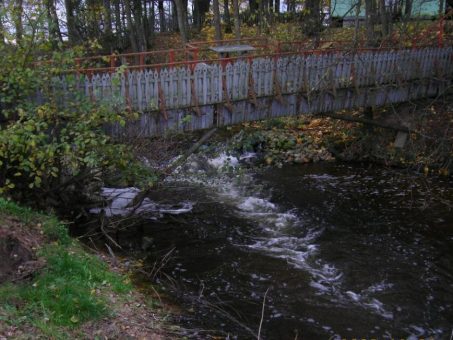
<point>2,29</point>
<point>130,26</point>
<point>237,23</point>
<point>407,9</point>
<point>139,26</point>
<point>173,24</point>
<point>108,33</point>
<point>385,18</point>
<point>151,16</point>
<point>162,25</point>
<point>18,12</point>
<point>277,6</point>
<point>357,22</point>
<point>227,17</point>
<point>73,35</point>
<point>200,8</point>
<point>313,20</point>
<point>369,21</point>
<point>181,12</point>
<point>216,11</point>
<point>52,22</point>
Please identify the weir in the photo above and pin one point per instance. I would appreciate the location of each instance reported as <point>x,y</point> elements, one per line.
<point>187,96</point>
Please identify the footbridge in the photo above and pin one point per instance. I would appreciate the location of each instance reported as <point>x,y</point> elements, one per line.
<point>195,88</point>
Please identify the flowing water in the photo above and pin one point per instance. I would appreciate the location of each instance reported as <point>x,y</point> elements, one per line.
<point>342,251</point>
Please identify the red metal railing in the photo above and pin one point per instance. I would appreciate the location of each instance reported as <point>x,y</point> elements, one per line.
<point>224,61</point>
<point>436,29</point>
<point>199,51</point>
<point>140,59</point>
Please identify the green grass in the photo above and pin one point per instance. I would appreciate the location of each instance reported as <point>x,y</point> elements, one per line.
<point>25,215</point>
<point>70,290</point>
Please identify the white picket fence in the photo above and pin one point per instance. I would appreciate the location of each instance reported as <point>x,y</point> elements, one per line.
<point>263,87</point>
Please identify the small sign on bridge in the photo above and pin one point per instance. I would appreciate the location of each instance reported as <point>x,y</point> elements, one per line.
<point>226,50</point>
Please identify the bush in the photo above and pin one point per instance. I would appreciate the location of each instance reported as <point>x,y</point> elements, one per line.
<point>54,148</point>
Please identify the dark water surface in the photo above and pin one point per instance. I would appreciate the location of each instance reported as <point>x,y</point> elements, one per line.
<point>343,251</point>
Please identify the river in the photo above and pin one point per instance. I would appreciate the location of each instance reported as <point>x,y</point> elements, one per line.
<point>343,251</point>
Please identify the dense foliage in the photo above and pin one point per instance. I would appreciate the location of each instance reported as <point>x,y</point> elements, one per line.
<point>53,149</point>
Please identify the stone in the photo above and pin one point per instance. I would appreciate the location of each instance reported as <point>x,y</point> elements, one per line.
<point>400,139</point>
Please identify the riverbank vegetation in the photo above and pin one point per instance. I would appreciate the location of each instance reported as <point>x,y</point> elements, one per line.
<point>51,287</point>
<point>426,147</point>
<point>55,158</point>
<point>55,155</point>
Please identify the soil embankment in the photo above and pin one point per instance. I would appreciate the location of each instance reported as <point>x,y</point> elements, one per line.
<point>51,287</point>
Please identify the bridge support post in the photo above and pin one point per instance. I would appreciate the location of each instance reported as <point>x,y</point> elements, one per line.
<point>368,114</point>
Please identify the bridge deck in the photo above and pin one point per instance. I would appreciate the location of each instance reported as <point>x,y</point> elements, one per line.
<point>199,95</point>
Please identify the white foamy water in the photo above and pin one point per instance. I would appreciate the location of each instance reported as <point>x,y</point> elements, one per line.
<point>120,199</point>
<point>223,160</point>
<point>298,251</point>
<point>225,182</point>
<point>256,204</point>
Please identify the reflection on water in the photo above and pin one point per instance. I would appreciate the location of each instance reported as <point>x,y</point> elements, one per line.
<point>345,251</point>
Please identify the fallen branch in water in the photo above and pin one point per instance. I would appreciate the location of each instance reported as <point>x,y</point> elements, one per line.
<point>138,200</point>
<point>262,315</point>
<point>365,121</point>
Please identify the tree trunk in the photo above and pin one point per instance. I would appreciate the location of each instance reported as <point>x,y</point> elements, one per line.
<point>357,23</point>
<point>369,22</point>
<point>2,32</point>
<point>118,26</point>
<point>18,12</point>
<point>277,6</point>
<point>201,7</point>
<point>130,26</point>
<point>312,26</point>
<point>408,9</point>
<point>160,7</point>
<point>108,19</point>
<point>92,19</point>
<point>181,13</point>
<point>52,22</point>
<point>70,21</point>
<point>151,19</point>
<point>253,12</point>
<point>185,4</point>
<point>216,10</point>
<point>139,26</point>
<point>226,12</point>
<point>385,20</point>
<point>123,18</point>
<point>261,17</point>
<point>174,17</point>
<point>196,15</point>
<point>237,23</point>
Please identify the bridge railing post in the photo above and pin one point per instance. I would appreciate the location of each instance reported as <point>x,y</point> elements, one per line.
<point>440,34</point>
<point>112,63</point>
<point>77,62</point>
<point>171,56</point>
<point>142,60</point>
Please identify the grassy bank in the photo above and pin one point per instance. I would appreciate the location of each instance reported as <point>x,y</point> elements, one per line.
<point>52,288</point>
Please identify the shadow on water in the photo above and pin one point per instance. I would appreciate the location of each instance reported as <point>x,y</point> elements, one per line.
<point>345,251</point>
